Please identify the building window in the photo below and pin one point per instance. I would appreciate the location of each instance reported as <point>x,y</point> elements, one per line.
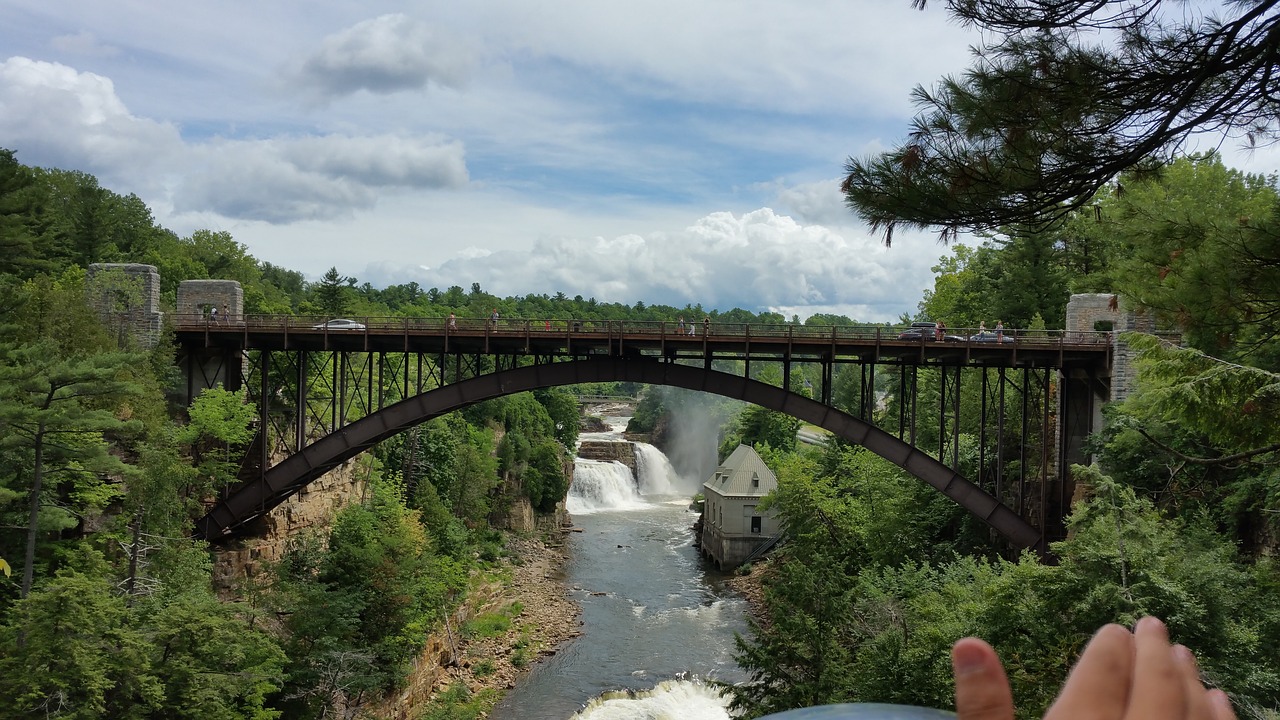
<point>755,524</point>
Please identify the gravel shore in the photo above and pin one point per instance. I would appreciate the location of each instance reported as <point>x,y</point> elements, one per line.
<point>546,620</point>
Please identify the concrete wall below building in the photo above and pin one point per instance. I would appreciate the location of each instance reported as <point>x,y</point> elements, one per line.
<point>729,551</point>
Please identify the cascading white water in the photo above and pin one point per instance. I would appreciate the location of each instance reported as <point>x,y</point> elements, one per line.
<point>670,700</point>
<point>657,475</point>
<point>601,486</point>
<point>654,621</point>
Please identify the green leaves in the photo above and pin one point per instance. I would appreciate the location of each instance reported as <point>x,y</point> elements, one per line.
<point>56,414</point>
<point>220,415</point>
<point>867,594</point>
<point>1235,407</point>
<point>359,612</point>
<point>1198,245</point>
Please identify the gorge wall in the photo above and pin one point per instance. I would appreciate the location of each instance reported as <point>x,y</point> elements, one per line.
<point>610,451</point>
<point>312,508</point>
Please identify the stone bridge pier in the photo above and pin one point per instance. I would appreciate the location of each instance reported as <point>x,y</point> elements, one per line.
<point>1084,393</point>
<point>127,298</point>
<point>212,365</point>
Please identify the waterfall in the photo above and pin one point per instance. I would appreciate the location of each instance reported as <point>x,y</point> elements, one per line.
<point>601,485</point>
<point>684,699</point>
<point>657,476</point>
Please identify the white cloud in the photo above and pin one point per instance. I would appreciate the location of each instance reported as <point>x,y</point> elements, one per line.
<point>75,120</point>
<point>384,160</point>
<point>387,54</point>
<point>287,180</point>
<point>249,180</point>
<point>819,203</point>
<point>72,119</point>
<point>561,146</point>
<point>758,260</point>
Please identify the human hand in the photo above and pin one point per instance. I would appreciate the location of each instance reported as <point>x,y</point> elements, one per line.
<point>1119,676</point>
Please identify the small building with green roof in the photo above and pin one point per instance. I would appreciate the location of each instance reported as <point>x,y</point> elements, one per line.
<point>732,527</point>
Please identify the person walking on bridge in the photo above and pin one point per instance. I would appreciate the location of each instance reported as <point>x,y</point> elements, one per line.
<point>680,326</point>
<point>706,326</point>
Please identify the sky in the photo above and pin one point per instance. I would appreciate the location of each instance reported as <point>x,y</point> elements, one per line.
<point>668,152</point>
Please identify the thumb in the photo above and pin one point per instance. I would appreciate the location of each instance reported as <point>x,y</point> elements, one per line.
<point>982,690</point>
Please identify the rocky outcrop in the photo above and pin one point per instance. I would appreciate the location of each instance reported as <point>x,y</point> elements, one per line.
<point>609,451</point>
<point>312,507</point>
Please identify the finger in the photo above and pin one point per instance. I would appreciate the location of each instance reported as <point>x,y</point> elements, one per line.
<point>1221,706</point>
<point>1098,687</point>
<point>982,689</point>
<point>1198,705</point>
<point>1158,687</point>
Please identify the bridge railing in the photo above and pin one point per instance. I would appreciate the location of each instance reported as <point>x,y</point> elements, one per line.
<point>324,324</point>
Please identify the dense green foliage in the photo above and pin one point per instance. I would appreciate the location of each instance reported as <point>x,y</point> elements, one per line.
<point>113,612</point>
<point>359,610</point>
<point>879,574</point>
<point>875,582</point>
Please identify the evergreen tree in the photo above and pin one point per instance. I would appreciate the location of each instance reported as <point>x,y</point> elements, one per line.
<point>54,413</point>
<point>331,294</point>
<point>1063,97</point>
<point>18,205</point>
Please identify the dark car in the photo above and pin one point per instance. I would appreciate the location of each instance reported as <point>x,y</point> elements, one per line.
<point>990,337</point>
<point>339,324</point>
<point>927,330</point>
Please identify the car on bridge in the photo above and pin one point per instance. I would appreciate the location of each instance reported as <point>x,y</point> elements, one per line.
<point>339,324</point>
<point>927,330</point>
<point>990,337</point>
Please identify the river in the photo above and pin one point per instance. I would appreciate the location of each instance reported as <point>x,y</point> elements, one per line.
<point>657,622</point>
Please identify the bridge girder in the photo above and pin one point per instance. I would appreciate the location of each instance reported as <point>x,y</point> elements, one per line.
<point>254,499</point>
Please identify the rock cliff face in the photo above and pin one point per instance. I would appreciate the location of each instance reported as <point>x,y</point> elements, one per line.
<point>313,507</point>
<point>549,616</point>
<point>609,451</point>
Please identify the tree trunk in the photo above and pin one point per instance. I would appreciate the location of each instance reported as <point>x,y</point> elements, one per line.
<point>37,480</point>
<point>133,557</point>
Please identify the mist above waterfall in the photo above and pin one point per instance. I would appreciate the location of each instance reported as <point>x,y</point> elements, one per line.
<point>693,438</point>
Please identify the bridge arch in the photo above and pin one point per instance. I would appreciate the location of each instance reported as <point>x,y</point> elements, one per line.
<point>290,475</point>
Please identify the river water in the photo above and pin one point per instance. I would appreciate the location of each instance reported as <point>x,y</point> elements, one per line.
<point>657,622</point>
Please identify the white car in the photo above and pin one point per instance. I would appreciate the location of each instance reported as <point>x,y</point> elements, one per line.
<point>339,324</point>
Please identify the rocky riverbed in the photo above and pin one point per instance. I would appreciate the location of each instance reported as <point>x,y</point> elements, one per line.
<point>547,618</point>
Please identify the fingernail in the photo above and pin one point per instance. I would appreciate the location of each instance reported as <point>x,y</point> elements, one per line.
<point>967,659</point>
<point>1182,654</point>
<point>1151,623</point>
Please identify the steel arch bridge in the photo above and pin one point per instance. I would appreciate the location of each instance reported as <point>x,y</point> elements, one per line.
<point>393,376</point>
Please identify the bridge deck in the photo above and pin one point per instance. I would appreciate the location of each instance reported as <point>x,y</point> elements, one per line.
<point>859,343</point>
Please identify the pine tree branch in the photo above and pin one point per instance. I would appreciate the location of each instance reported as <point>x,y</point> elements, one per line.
<point>1224,460</point>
